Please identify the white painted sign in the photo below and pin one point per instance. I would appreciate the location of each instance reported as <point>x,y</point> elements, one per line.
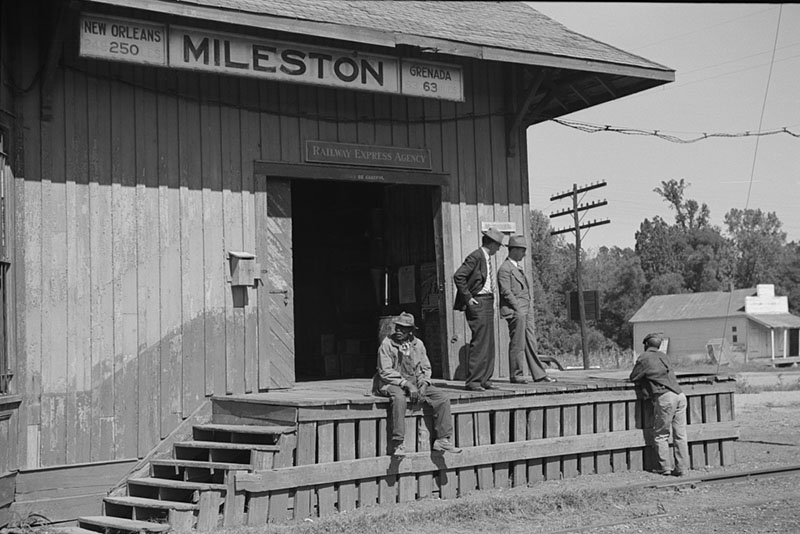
<point>277,60</point>
<point>119,39</point>
<point>757,305</point>
<point>123,40</point>
<point>432,80</point>
<point>507,227</point>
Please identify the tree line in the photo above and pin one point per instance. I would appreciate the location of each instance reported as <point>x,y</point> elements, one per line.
<point>687,255</point>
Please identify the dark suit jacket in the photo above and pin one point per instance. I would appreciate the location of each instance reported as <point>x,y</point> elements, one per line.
<point>469,278</point>
<point>515,294</point>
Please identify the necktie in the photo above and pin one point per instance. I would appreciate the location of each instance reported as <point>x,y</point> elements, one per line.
<point>490,274</point>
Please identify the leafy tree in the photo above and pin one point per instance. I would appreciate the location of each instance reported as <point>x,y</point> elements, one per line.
<point>618,276</point>
<point>789,276</point>
<point>689,215</point>
<point>709,262</point>
<point>551,271</point>
<point>759,245</point>
<point>688,256</point>
<point>660,248</point>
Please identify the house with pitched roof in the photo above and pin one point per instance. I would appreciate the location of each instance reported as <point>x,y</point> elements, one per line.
<point>744,323</point>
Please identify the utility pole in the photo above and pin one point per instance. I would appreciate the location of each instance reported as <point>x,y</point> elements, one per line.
<point>577,227</point>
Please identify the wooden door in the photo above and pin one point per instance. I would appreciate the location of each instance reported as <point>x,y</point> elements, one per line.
<point>276,294</point>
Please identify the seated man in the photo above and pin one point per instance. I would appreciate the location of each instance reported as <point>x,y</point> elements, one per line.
<point>404,373</point>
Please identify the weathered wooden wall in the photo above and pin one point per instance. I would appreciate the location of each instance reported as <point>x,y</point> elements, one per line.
<point>129,197</point>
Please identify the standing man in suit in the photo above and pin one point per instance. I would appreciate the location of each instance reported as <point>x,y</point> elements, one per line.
<point>475,297</point>
<point>515,308</point>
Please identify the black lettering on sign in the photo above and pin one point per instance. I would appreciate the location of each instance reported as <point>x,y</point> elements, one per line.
<point>353,67</point>
<point>377,75</point>
<point>94,27</point>
<point>293,57</point>
<point>260,55</point>
<point>229,62</point>
<point>321,58</point>
<point>189,49</point>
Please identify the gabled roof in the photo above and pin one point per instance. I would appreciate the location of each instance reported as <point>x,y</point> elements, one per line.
<point>582,71</point>
<point>693,306</point>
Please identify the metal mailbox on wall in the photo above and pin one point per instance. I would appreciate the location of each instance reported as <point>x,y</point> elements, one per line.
<point>245,271</point>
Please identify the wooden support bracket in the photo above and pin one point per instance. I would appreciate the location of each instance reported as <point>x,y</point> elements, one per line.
<point>512,136</point>
<point>51,62</point>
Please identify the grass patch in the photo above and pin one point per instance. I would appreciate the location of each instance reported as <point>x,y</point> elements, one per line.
<point>742,386</point>
<point>496,507</point>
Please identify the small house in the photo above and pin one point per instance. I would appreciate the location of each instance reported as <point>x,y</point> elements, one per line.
<point>753,323</point>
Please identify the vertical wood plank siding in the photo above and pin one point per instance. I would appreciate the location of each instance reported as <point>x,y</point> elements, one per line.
<point>131,197</point>
<point>556,435</point>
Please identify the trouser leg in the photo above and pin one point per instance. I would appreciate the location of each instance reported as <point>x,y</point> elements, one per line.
<point>679,441</point>
<point>516,346</point>
<point>480,362</point>
<point>663,413</point>
<point>398,421</point>
<point>534,363</point>
<point>439,404</point>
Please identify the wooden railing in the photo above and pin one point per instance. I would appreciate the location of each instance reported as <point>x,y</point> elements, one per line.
<point>342,461</point>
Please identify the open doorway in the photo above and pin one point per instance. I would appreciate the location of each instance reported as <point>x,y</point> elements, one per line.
<point>361,252</point>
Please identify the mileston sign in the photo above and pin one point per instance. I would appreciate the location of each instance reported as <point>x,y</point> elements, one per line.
<point>120,39</point>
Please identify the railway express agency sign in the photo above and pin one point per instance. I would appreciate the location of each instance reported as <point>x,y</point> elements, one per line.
<point>134,41</point>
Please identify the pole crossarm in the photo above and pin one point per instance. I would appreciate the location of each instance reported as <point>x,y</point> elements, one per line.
<point>582,207</point>
<point>581,227</point>
<point>582,189</point>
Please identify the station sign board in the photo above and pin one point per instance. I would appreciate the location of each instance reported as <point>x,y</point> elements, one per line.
<point>130,40</point>
<point>367,155</point>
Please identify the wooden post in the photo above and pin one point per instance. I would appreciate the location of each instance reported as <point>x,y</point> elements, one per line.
<point>579,277</point>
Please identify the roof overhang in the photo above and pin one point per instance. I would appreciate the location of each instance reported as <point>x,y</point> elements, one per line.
<point>776,320</point>
<point>570,83</point>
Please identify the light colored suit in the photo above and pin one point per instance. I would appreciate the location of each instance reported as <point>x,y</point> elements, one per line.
<point>515,308</point>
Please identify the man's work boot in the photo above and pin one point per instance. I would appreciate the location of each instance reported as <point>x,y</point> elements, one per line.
<point>445,445</point>
<point>399,450</point>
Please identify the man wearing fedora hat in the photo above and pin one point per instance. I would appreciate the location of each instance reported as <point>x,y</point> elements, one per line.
<point>515,308</point>
<point>474,282</point>
<point>404,373</point>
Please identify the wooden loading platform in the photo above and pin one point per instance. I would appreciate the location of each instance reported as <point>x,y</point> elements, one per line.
<point>322,448</point>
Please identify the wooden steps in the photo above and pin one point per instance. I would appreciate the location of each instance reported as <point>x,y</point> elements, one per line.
<point>190,489</point>
<point>102,523</point>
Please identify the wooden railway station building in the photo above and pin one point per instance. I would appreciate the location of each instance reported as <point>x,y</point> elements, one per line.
<point>208,206</point>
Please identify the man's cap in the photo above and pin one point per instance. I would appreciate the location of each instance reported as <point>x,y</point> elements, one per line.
<point>517,241</point>
<point>404,319</point>
<point>654,339</point>
<point>494,234</point>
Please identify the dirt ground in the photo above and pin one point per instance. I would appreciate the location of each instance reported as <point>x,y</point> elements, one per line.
<point>769,427</point>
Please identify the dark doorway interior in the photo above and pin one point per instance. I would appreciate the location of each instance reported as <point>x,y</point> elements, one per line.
<point>350,241</point>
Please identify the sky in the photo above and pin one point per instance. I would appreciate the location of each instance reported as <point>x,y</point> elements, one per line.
<point>722,56</point>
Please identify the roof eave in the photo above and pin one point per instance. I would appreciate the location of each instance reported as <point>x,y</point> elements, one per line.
<point>391,39</point>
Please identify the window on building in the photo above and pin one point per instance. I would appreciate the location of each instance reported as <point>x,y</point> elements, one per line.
<point>735,338</point>
<point>733,329</point>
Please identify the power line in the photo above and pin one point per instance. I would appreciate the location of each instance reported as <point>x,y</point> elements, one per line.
<point>764,105</point>
<point>753,167</point>
<point>703,29</point>
<point>597,128</point>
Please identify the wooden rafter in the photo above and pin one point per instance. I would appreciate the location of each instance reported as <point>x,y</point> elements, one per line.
<point>606,87</point>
